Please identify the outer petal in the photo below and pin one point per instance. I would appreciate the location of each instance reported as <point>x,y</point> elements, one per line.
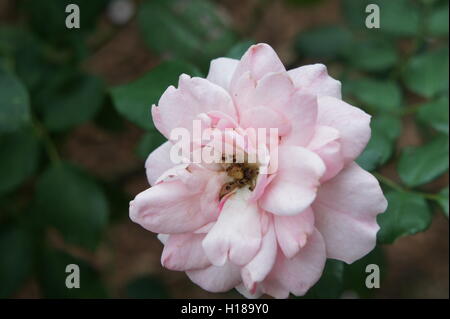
<point>158,162</point>
<point>216,279</point>
<point>221,71</point>
<point>237,233</point>
<point>352,123</point>
<point>261,265</point>
<point>326,144</point>
<point>184,252</point>
<point>177,108</point>
<point>295,185</point>
<point>315,80</point>
<point>299,273</point>
<point>173,207</point>
<point>345,210</point>
<point>247,294</point>
<point>293,231</point>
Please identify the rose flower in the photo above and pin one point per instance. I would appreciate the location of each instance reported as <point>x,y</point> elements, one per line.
<point>265,226</point>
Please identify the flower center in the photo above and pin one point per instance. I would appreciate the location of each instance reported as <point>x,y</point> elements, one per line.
<point>242,175</point>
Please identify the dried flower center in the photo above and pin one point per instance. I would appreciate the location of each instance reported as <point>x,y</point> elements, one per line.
<point>242,175</point>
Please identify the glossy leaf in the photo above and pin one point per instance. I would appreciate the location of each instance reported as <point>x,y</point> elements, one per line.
<point>427,74</point>
<point>435,113</point>
<point>325,42</point>
<point>407,214</point>
<point>355,274</point>
<point>397,18</point>
<point>17,259</point>
<point>420,165</point>
<point>52,276</point>
<point>385,130</point>
<point>134,100</point>
<point>367,91</point>
<point>19,155</point>
<point>443,201</point>
<point>438,20</point>
<point>190,30</point>
<point>371,54</point>
<point>330,284</point>
<point>75,102</point>
<point>72,203</point>
<point>14,103</point>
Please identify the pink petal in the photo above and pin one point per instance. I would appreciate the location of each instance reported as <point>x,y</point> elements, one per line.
<point>264,117</point>
<point>314,79</point>
<point>236,236</point>
<point>301,110</point>
<point>247,294</point>
<point>174,207</point>
<point>184,252</point>
<point>158,162</point>
<point>273,90</point>
<point>294,187</point>
<point>293,231</point>
<point>260,59</point>
<point>178,108</point>
<point>216,279</point>
<point>299,273</point>
<point>345,210</point>
<point>221,70</point>
<point>352,123</point>
<point>260,266</point>
<point>326,144</point>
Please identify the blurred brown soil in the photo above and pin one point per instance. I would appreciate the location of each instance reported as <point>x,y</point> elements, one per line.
<point>417,265</point>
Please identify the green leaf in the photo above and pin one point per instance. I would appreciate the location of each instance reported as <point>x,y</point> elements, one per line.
<point>427,74</point>
<point>190,30</point>
<point>438,21</point>
<point>74,102</point>
<point>390,125</point>
<point>238,50</point>
<point>435,113</point>
<point>47,18</point>
<point>25,56</point>
<point>324,42</point>
<point>133,100</point>
<point>444,200</point>
<point>149,142</point>
<point>420,165</point>
<point>72,203</point>
<point>385,130</point>
<point>14,103</point>
<point>371,54</point>
<point>52,277</point>
<point>367,91</point>
<point>397,18</point>
<point>355,274</point>
<point>146,287</point>
<point>19,156</point>
<point>407,214</point>
<point>330,285</point>
<point>17,259</point>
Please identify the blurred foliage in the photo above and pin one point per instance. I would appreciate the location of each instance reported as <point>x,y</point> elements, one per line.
<point>396,73</point>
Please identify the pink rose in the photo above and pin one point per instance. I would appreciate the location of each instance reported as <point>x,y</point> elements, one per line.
<point>265,233</point>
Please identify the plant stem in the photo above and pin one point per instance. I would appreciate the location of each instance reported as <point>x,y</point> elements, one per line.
<point>50,147</point>
<point>389,182</point>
